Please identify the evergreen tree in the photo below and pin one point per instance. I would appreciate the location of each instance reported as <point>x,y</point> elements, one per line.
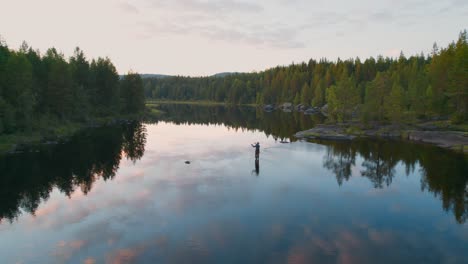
<point>58,94</point>
<point>458,74</point>
<point>104,83</point>
<point>36,91</point>
<point>376,92</point>
<point>132,93</point>
<point>307,94</point>
<point>344,97</point>
<point>393,105</point>
<point>319,97</point>
<point>18,92</point>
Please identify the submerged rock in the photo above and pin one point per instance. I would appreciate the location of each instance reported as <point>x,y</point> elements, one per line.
<point>311,111</point>
<point>301,107</point>
<point>269,108</point>
<point>287,105</point>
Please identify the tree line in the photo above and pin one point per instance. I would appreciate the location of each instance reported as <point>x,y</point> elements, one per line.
<point>37,90</point>
<point>278,124</point>
<point>383,89</point>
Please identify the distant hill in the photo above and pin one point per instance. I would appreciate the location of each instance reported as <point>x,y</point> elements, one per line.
<point>150,76</point>
<point>224,74</point>
<point>158,76</point>
<point>161,76</point>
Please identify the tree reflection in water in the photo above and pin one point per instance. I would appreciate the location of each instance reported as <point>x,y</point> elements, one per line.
<point>443,172</point>
<point>27,179</point>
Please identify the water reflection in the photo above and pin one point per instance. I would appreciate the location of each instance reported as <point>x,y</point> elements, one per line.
<point>27,179</point>
<point>280,125</point>
<point>345,202</point>
<point>443,172</point>
<point>256,171</point>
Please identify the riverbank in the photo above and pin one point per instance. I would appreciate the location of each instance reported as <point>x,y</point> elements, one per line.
<point>56,132</point>
<point>428,133</point>
<point>53,134</point>
<point>16,142</point>
<point>202,103</point>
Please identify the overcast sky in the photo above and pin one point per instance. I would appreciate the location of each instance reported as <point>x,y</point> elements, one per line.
<point>203,37</point>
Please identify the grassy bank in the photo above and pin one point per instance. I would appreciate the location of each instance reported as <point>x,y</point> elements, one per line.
<point>55,130</point>
<point>9,142</point>
<point>152,111</point>
<point>203,103</point>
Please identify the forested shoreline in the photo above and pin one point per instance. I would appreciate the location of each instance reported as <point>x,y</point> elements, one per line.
<point>40,92</point>
<point>383,89</point>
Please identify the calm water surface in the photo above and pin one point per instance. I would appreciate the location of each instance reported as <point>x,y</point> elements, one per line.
<point>124,194</point>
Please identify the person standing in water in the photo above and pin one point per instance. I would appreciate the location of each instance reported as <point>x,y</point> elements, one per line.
<point>257,150</point>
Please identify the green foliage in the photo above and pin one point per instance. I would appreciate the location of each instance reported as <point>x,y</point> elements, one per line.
<point>17,92</point>
<point>133,98</point>
<point>37,92</point>
<point>297,99</point>
<point>105,86</point>
<point>306,94</point>
<point>384,89</point>
<point>342,98</point>
<point>333,104</point>
<point>319,98</point>
<point>394,104</point>
<point>458,77</point>
<point>375,97</point>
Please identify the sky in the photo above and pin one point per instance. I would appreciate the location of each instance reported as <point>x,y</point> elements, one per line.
<point>204,37</point>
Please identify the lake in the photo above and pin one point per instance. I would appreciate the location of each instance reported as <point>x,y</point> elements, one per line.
<point>125,194</point>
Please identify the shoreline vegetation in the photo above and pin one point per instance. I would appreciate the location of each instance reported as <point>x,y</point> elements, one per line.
<point>55,133</point>
<point>45,97</point>
<point>193,102</point>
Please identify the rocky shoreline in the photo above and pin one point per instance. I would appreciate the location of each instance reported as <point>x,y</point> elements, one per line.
<point>454,140</point>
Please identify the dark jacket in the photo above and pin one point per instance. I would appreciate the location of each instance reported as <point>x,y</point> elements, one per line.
<point>257,147</point>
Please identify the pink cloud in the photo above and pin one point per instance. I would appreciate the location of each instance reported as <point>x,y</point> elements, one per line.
<point>323,245</point>
<point>77,195</point>
<point>297,257</point>
<point>75,244</point>
<point>350,239</point>
<point>380,237</point>
<point>138,174</point>
<point>143,195</point>
<point>65,250</point>
<point>89,261</point>
<point>48,208</point>
<point>125,255</point>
